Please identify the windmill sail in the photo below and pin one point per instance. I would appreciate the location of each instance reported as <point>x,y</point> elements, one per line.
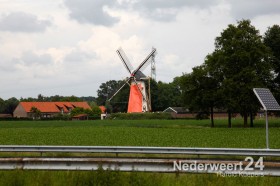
<point>125,60</point>
<point>146,60</point>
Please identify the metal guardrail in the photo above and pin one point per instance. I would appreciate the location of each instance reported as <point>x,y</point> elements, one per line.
<point>136,164</point>
<point>131,164</point>
<point>142,150</point>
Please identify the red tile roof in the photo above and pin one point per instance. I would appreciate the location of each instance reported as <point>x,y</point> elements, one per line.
<point>81,104</point>
<point>54,106</point>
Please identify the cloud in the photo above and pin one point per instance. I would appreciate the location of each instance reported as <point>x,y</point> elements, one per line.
<point>252,8</point>
<point>32,65</point>
<point>27,61</point>
<point>98,12</point>
<point>23,22</point>
<point>171,3</point>
<point>78,56</point>
<point>26,72</point>
<point>88,11</point>
<point>5,67</point>
<point>30,58</point>
<point>166,10</point>
<point>240,8</point>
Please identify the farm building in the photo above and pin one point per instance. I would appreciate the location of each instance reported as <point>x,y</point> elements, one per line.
<point>181,112</point>
<point>177,110</point>
<point>47,109</point>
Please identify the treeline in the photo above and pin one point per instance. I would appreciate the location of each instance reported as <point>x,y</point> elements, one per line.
<point>57,98</point>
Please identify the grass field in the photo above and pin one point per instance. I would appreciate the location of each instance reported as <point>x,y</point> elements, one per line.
<point>180,133</point>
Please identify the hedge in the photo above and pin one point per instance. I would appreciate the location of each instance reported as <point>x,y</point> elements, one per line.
<point>139,116</point>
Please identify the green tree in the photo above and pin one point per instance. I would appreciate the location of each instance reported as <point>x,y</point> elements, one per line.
<point>96,111</point>
<point>109,107</point>
<point>71,99</point>
<point>88,98</point>
<point>29,99</point>
<point>10,105</point>
<point>92,104</point>
<point>164,95</point>
<point>199,91</point>
<point>56,98</point>
<point>40,97</point>
<point>272,40</point>
<point>2,106</point>
<point>224,86</point>
<point>154,95</point>
<point>36,112</point>
<point>107,90</point>
<point>244,63</point>
<point>77,111</point>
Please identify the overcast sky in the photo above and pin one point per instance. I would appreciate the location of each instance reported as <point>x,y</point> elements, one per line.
<point>68,47</point>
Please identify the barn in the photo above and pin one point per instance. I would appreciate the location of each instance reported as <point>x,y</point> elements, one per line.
<point>179,112</point>
<point>47,109</point>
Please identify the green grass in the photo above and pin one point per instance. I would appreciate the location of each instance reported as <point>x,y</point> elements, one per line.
<point>178,133</point>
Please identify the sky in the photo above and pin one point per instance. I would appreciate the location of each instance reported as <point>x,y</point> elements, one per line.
<point>68,47</point>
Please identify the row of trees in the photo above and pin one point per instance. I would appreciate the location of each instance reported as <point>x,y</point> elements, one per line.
<point>242,60</point>
<point>72,98</point>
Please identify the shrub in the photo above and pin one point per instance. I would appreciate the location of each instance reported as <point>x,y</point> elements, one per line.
<point>96,110</point>
<point>139,116</point>
<point>92,114</point>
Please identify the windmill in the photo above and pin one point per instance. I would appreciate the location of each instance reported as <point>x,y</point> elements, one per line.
<point>139,101</point>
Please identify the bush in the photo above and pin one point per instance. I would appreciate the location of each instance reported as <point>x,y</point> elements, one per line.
<point>64,117</point>
<point>94,113</point>
<point>96,110</point>
<point>139,116</point>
